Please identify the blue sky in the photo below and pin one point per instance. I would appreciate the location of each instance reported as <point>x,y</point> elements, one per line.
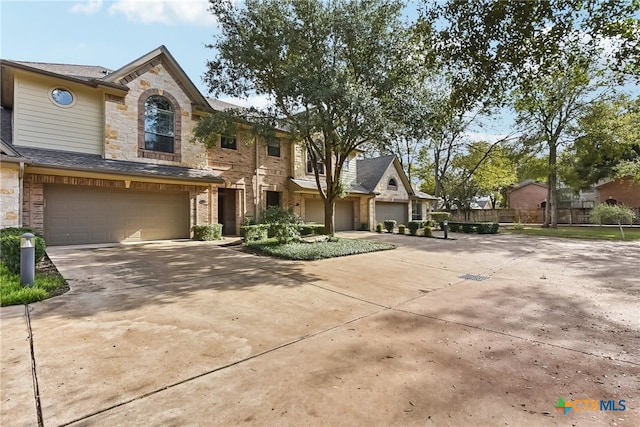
<point>107,33</point>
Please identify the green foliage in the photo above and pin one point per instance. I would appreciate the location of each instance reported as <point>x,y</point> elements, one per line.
<point>335,247</point>
<point>329,68</point>
<point>284,232</point>
<point>611,214</point>
<point>310,229</point>
<point>474,227</point>
<point>10,247</point>
<point>414,226</point>
<point>440,216</point>
<point>454,227</point>
<point>13,293</point>
<point>379,227</point>
<point>389,225</point>
<point>401,229</point>
<point>255,232</point>
<point>276,214</point>
<point>207,232</point>
<point>468,227</point>
<point>427,231</point>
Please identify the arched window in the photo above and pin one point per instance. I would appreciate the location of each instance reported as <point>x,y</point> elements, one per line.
<point>159,119</point>
<point>392,184</point>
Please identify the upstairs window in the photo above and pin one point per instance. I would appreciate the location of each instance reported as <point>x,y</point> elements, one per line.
<point>273,198</point>
<point>159,119</point>
<point>273,147</point>
<point>392,184</point>
<point>310,165</point>
<point>229,141</point>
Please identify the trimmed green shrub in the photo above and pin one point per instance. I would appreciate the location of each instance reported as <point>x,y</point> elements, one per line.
<point>256,232</point>
<point>10,248</point>
<point>19,231</point>
<point>364,226</point>
<point>454,227</point>
<point>379,228</point>
<point>468,227</point>
<point>309,229</point>
<point>284,232</point>
<point>276,214</point>
<point>206,232</point>
<point>414,226</point>
<point>487,227</point>
<point>427,231</point>
<point>401,229</point>
<point>439,216</point>
<point>389,225</point>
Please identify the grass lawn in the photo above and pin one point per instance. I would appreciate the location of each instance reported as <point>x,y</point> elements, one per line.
<point>319,250</point>
<point>46,285</point>
<point>578,232</point>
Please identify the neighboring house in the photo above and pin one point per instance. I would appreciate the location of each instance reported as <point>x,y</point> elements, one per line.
<point>623,191</point>
<point>92,155</point>
<point>528,194</point>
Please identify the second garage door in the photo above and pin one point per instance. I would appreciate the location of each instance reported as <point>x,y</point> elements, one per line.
<point>387,210</point>
<point>81,215</point>
<point>314,212</point>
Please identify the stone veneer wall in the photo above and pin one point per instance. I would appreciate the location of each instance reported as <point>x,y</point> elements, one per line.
<point>122,120</point>
<point>9,196</point>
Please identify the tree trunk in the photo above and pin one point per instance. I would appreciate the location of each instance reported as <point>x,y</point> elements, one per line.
<point>329,216</point>
<point>551,208</point>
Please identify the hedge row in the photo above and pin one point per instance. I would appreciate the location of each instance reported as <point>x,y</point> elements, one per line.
<point>10,247</point>
<point>474,227</point>
<point>256,232</point>
<point>207,232</point>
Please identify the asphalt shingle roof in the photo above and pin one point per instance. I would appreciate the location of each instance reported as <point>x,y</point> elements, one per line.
<point>84,72</point>
<point>370,171</point>
<point>95,163</point>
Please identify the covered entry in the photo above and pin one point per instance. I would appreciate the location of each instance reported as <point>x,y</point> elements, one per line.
<point>81,215</point>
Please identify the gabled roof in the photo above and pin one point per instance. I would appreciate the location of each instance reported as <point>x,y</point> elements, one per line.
<point>528,182</point>
<point>95,163</point>
<point>307,184</point>
<point>371,171</point>
<point>83,72</point>
<point>161,54</point>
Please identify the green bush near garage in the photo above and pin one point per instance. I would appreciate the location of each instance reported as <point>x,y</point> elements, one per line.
<point>207,232</point>
<point>10,247</point>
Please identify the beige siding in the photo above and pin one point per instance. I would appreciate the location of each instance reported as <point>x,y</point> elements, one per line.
<point>40,123</point>
<point>349,176</point>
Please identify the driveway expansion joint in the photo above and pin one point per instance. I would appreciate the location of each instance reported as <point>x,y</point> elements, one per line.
<point>34,372</point>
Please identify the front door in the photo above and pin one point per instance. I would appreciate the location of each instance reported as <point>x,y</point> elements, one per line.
<point>227,211</point>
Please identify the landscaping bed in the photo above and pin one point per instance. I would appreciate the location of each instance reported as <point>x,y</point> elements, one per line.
<point>48,283</point>
<point>334,247</point>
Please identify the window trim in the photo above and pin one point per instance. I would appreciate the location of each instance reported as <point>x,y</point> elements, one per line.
<point>270,145</point>
<point>266,198</point>
<point>74,98</point>
<point>176,156</point>
<point>233,146</point>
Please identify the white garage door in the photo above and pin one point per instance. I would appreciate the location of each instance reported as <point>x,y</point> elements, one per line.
<point>80,215</point>
<point>314,212</point>
<point>386,211</point>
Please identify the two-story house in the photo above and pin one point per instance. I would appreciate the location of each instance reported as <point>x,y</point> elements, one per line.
<point>92,155</point>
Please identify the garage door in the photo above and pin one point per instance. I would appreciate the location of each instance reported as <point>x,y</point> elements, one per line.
<point>387,210</point>
<point>314,212</point>
<point>80,215</point>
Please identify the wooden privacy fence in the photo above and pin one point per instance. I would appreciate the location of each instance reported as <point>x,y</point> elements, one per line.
<point>526,216</point>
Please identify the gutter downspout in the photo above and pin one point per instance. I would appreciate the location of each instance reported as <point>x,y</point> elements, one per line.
<point>256,197</point>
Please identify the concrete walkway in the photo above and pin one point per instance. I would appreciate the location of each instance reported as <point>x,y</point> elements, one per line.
<point>191,333</point>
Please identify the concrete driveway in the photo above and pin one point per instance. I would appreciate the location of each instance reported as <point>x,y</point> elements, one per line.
<point>191,333</point>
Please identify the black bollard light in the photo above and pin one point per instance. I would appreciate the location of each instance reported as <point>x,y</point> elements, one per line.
<point>27,259</point>
<point>445,226</point>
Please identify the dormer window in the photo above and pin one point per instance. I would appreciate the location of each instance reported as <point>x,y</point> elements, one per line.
<point>159,117</point>
<point>392,184</point>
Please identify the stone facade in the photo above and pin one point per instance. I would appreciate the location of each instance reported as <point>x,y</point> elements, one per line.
<point>9,195</point>
<point>124,121</point>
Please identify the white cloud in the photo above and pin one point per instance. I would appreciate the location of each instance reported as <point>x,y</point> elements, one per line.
<point>89,7</point>
<point>259,101</point>
<point>165,11</point>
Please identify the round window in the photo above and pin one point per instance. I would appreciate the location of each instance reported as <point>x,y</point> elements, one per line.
<point>62,97</point>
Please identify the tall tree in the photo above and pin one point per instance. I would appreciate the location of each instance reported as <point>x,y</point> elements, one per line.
<point>328,68</point>
<point>607,144</point>
<point>491,47</point>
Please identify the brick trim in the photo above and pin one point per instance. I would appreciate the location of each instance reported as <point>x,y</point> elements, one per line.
<point>176,156</point>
